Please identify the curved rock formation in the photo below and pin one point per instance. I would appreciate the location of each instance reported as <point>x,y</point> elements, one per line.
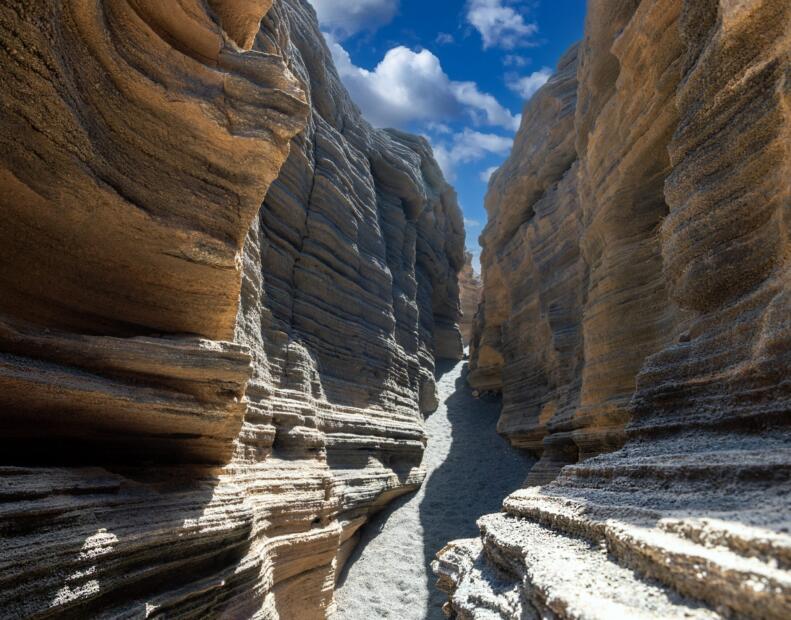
<point>636,269</point>
<point>203,397</point>
<point>111,110</point>
<point>470,290</point>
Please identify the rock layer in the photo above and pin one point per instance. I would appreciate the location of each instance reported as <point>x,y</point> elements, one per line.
<point>204,397</point>
<point>636,304</point>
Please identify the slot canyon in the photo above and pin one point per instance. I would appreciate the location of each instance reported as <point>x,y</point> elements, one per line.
<point>248,369</point>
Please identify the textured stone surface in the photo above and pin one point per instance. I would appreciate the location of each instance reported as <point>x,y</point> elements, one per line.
<point>111,110</point>
<point>203,397</point>
<point>470,290</point>
<point>650,327</point>
<point>529,343</point>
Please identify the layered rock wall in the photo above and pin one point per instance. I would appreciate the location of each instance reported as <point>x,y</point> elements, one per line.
<point>203,397</point>
<point>636,304</point>
<point>529,336</point>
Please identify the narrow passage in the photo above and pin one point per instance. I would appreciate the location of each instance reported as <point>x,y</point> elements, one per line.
<point>470,469</point>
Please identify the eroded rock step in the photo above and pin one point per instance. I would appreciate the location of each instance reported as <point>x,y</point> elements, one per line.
<point>631,533</point>
<point>541,561</point>
<point>601,588</point>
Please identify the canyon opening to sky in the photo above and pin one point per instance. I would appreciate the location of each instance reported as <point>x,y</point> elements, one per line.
<point>477,309</point>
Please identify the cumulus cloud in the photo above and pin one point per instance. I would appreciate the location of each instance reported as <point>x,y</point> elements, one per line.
<point>409,86</point>
<point>349,17</point>
<point>486,175</point>
<point>483,107</point>
<point>515,60</point>
<point>439,128</point>
<point>528,85</point>
<point>466,147</point>
<point>500,25</point>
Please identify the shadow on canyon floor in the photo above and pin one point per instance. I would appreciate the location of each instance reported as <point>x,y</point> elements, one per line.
<point>470,469</point>
<point>478,472</point>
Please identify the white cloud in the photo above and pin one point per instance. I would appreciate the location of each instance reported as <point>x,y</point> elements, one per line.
<point>486,175</point>
<point>470,223</point>
<point>484,108</point>
<point>528,85</point>
<point>346,18</point>
<point>408,86</point>
<point>500,25</point>
<point>515,60</point>
<point>445,38</point>
<point>466,147</point>
<point>438,128</point>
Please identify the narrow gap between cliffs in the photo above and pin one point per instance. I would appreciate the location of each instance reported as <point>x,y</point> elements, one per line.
<point>469,470</point>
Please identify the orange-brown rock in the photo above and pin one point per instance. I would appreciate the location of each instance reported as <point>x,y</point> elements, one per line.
<point>221,298</point>
<point>111,110</point>
<point>636,319</point>
<point>470,289</point>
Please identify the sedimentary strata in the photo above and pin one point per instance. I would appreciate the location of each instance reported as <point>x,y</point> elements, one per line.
<point>636,319</point>
<point>203,396</point>
<point>528,338</point>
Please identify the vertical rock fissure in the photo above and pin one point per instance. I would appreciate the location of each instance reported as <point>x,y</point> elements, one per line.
<point>304,233</point>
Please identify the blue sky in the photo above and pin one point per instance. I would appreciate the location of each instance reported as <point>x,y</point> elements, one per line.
<point>456,71</point>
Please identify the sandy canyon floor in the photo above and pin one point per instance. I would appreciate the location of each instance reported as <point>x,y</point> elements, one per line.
<point>470,469</point>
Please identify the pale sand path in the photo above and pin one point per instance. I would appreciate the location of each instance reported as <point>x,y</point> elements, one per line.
<point>470,470</point>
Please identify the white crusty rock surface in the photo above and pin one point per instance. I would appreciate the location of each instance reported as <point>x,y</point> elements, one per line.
<point>203,397</point>
<point>637,295</point>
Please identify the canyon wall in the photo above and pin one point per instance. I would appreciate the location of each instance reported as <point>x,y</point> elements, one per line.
<point>636,320</point>
<point>470,291</point>
<point>203,397</point>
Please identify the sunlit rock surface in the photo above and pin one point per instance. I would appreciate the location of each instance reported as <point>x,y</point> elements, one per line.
<point>528,342</point>
<point>636,320</point>
<point>203,397</point>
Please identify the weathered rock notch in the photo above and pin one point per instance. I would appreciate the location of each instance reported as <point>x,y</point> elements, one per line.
<point>203,396</point>
<point>637,295</point>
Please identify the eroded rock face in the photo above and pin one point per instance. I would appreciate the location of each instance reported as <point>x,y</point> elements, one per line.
<point>635,318</point>
<point>470,290</point>
<point>529,342</point>
<point>111,110</point>
<point>203,397</point>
